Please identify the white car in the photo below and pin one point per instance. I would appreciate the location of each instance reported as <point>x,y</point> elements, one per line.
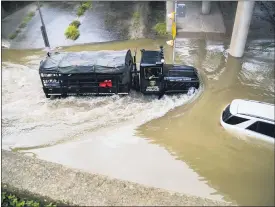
<point>252,118</point>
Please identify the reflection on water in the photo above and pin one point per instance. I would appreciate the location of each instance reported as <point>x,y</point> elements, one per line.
<point>238,167</point>
<point>97,133</point>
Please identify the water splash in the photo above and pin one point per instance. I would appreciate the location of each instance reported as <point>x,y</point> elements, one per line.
<point>29,119</point>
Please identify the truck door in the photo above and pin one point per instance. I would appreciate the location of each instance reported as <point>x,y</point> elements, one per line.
<point>152,80</point>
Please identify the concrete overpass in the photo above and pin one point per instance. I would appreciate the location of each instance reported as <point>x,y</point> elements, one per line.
<point>205,17</point>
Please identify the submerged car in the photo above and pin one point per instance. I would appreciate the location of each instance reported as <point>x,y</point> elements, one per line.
<point>114,72</point>
<point>249,117</point>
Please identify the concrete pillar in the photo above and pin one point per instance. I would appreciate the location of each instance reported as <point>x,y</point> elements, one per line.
<point>170,7</point>
<point>241,27</point>
<point>206,7</point>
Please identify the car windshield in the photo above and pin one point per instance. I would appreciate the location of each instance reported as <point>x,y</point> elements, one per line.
<point>226,113</point>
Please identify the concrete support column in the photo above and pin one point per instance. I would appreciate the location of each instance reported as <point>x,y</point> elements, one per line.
<point>170,7</point>
<point>241,27</point>
<point>206,7</point>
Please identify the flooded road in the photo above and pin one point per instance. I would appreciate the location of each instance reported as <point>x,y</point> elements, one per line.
<point>174,143</point>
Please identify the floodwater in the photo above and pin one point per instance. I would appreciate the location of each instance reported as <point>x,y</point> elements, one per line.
<point>175,143</point>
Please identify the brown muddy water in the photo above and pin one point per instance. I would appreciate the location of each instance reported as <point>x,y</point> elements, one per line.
<point>175,143</point>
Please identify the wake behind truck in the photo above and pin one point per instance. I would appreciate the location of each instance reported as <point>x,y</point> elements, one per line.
<point>114,72</point>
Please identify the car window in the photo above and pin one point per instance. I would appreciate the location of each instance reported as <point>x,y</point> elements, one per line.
<point>263,128</point>
<point>233,120</point>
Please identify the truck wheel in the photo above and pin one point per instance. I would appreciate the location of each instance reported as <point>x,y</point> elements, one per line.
<point>47,96</point>
<point>64,96</point>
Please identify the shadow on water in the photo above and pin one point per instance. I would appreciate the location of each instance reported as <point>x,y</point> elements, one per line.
<point>240,168</point>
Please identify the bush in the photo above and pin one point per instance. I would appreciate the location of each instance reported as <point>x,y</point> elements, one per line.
<point>27,19</point>
<point>83,7</point>
<point>31,14</point>
<point>22,25</point>
<point>8,199</point>
<point>160,29</point>
<point>12,36</point>
<point>72,32</point>
<point>75,23</point>
<point>136,15</point>
<point>80,11</point>
<point>87,5</point>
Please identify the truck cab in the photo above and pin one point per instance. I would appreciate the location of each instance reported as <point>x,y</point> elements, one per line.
<point>151,71</point>
<point>157,77</point>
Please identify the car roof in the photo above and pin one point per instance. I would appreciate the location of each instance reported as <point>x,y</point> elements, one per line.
<point>253,108</point>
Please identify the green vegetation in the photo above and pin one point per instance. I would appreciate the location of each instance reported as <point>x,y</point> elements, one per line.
<point>83,7</point>
<point>80,11</point>
<point>87,5</point>
<point>75,23</point>
<point>14,35</point>
<point>8,199</point>
<point>72,32</point>
<point>136,18</point>
<point>160,29</point>
<point>27,19</point>
<point>31,14</point>
<point>23,24</point>
<point>136,15</point>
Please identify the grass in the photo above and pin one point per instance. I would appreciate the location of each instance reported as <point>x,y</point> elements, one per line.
<point>160,28</point>
<point>26,19</point>
<point>136,18</point>
<point>14,35</point>
<point>136,15</point>
<point>31,14</point>
<point>9,199</point>
<point>72,32</point>
<point>23,25</point>
<point>75,23</point>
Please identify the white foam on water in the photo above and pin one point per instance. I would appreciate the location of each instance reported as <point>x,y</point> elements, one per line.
<point>212,46</point>
<point>258,74</point>
<point>29,119</point>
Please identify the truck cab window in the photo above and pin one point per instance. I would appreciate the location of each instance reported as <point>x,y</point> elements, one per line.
<point>153,72</point>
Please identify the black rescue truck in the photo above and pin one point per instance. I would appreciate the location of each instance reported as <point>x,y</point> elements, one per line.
<point>113,72</point>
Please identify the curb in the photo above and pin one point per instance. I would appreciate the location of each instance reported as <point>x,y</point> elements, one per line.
<point>76,187</point>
